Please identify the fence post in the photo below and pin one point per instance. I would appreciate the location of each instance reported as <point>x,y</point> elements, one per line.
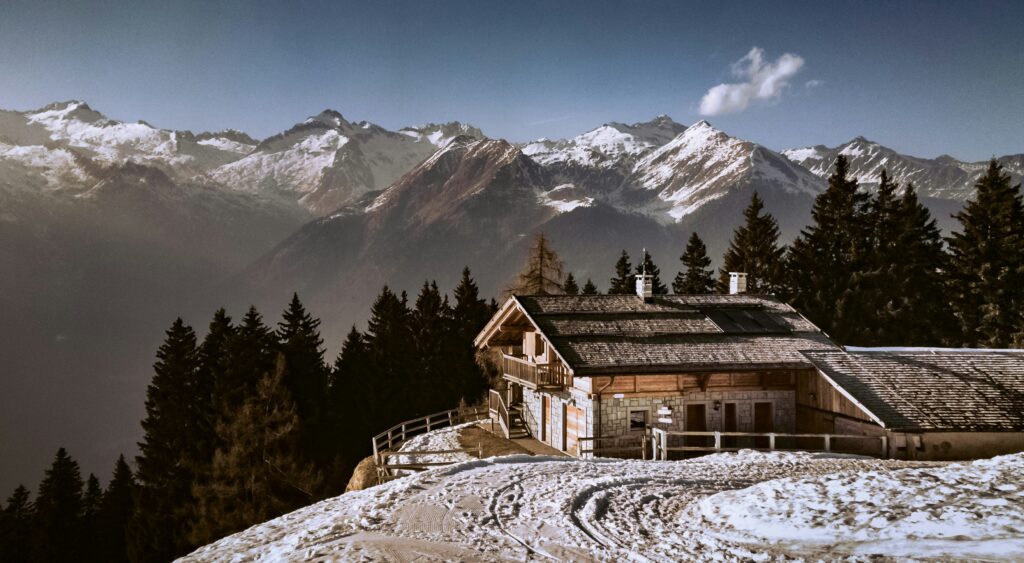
<point>771,441</point>
<point>828,443</point>
<point>885,447</point>
<point>449,418</point>
<point>428,424</point>
<point>718,440</point>
<point>664,445</point>
<point>403,431</point>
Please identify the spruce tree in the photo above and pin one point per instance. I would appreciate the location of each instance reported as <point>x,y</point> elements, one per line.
<point>392,362</point>
<point>987,262</point>
<point>115,514</point>
<point>696,276</point>
<point>167,506</point>
<point>260,473</point>
<point>542,273</point>
<point>589,288</point>
<point>92,499</point>
<point>470,311</point>
<point>17,520</point>
<point>251,355</point>
<point>306,375</point>
<point>647,265</point>
<point>352,401</point>
<point>829,253</point>
<point>214,365</point>
<point>570,287</point>
<point>57,522</point>
<point>622,283</point>
<point>430,325</point>
<point>755,250</point>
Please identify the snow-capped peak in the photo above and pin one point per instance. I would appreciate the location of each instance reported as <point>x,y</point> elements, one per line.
<point>440,134</point>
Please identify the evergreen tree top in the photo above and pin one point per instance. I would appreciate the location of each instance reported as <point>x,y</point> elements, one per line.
<point>620,284</point>
<point>647,266</point>
<point>589,288</point>
<point>695,278</point>
<point>570,287</point>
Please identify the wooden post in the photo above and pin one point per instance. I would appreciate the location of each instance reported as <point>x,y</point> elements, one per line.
<point>885,447</point>
<point>428,424</point>
<point>718,440</point>
<point>449,418</point>
<point>771,441</point>
<point>828,443</point>
<point>403,431</point>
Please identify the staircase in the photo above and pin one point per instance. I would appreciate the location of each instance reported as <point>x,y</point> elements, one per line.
<point>516,422</point>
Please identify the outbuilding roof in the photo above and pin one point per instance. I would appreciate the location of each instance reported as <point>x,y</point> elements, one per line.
<point>931,389</point>
<point>624,334</point>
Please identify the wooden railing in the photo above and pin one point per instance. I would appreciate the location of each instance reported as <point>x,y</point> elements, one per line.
<point>497,409</point>
<point>534,375</point>
<point>631,446</point>
<point>395,436</point>
<point>662,444</point>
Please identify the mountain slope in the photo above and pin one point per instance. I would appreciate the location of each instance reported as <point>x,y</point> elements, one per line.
<point>941,178</point>
<point>327,162</point>
<point>703,164</point>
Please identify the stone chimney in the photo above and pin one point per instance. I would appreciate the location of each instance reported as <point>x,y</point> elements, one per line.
<point>737,283</point>
<point>644,286</point>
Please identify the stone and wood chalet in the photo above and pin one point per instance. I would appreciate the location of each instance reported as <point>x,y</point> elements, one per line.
<point>598,374</point>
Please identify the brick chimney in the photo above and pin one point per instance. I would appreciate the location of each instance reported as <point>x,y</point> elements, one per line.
<point>737,283</point>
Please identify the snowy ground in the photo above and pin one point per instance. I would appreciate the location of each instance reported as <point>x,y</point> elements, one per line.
<point>435,441</point>
<point>760,506</point>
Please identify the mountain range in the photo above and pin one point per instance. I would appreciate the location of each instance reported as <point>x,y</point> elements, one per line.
<point>109,230</point>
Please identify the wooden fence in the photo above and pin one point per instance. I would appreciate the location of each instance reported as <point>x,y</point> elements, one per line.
<point>536,375</point>
<point>394,437</point>
<point>663,442</point>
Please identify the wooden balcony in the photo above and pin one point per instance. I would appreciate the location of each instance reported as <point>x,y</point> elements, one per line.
<point>535,376</point>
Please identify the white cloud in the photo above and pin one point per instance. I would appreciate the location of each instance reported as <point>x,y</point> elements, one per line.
<point>814,84</point>
<point>763,82</point>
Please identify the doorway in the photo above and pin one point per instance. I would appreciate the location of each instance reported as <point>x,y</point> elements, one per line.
<point>764,422</point>
<point>729,425</point>
<point>696,421</point>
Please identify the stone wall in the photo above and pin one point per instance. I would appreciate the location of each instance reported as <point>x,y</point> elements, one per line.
<point>533,403</point>
<point>614,413</point>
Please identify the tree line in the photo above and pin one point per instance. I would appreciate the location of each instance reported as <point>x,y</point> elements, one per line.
<point>251,422</point>
<point>870,270</point>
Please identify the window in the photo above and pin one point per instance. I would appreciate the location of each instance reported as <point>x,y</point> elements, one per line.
<point>637,420</point>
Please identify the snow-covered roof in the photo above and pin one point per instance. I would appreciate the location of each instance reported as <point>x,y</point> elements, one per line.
<point>931,388</point>
<point>623,334</point>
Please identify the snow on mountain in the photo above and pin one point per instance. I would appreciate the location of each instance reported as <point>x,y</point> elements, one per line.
<point>327,162</point>
<point>703,164</point>
<point>606,145</point>
<point>440,134</point>
<point>942,178</point>
<point>738,506</point>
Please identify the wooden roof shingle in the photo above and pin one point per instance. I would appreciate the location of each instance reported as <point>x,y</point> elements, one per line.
<point>623,334</point>
<point>941,389</point>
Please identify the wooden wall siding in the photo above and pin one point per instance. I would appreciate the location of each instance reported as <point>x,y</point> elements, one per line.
<point>825,396</point>
<point>681,383</point>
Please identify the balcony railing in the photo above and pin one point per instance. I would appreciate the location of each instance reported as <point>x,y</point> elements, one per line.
<point>534,375</point>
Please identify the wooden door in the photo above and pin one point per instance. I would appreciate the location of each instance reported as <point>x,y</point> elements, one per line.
<point>763,422</point>
<point>573,422</point>
<point>545,418</point>
<point>729,425</point>
<point>696,421</point>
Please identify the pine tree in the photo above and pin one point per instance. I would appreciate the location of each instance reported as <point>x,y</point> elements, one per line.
<point>251,355</point>
<point>431,324</point>
<point>214,365</point>
<point>827,255</point>
<point>987,263</point>
<point>589,288</point>
<point>306,375</point>
<point>755,250</point>
<point>391,359</point>
<point>17,517</point>
<point>542,273</point>
<point>165,475</point>
<point>570,287</point>
<point>696,276</point>
<point>260,473</point>
<point>115,514</point>
<point>470,311</point>
<point>58,507</point>
<point>351,397</point>
<point>92,498</point>
<point>647,265</point>
<point>622,283</point>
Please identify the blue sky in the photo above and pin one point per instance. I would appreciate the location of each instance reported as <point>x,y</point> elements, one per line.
<point>925,78</point>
